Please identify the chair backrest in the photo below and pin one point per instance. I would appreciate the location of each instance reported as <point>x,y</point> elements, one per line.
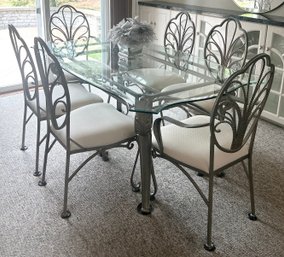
<point>69,27</point>
<point>226,44</point>
<point>238,114</point>
<point>55,87</point>
<point>179,39</point>
<point>27,67</point>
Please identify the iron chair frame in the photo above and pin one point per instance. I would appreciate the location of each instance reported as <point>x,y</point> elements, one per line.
<point>179,31</point>
<point>242,117</point>
<point>233,36</point>
<point>30,88</point>
<point>75,32</point>
<point>70,31</point>
<point>180,38</point>
<point>49,65</point>
<point>225,56</point>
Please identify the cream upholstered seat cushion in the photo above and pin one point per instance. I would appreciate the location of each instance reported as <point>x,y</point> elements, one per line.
<point>79,97</point>
<point>96,125</point>
<point>192,145</point>
<point>206,105</point>
<point>155,78</point>
<point>186,91</point>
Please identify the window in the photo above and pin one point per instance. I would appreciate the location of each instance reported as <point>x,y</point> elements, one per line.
<point>31,18</point>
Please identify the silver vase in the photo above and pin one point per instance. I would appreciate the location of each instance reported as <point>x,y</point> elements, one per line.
<point>129,57</point>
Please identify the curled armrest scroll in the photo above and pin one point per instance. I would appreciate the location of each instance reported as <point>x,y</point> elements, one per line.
<point>184,125</point>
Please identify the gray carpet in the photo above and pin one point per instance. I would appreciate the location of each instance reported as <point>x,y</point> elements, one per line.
<point>104,221</point>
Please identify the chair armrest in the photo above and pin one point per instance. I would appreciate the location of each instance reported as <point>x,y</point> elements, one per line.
<point>157,128</point>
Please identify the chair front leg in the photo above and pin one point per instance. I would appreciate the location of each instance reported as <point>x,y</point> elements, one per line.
<point>42,182</point>
<point>209,246</point>
<point>66,213</point>
<point>37,173</point>
<point>251,215</point>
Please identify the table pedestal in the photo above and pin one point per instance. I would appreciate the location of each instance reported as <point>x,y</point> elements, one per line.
<point>143,127</point>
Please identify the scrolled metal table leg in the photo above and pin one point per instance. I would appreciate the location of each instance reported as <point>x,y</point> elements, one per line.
<point>143,125</point>
<point>135,186</point>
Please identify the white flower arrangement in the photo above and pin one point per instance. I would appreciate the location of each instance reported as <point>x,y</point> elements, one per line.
<point>131,32</point>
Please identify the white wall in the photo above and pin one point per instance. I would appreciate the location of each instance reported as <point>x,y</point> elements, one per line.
<point>222,4</point>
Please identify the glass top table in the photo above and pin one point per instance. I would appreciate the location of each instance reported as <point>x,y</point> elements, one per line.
<point>126,75</point>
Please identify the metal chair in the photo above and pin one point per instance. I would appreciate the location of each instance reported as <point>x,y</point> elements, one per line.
<point>225,45</point>
<point>179,42</point>
<point>69,28</point>
<point>34,100</point>
<point>179,39</point>
<point>95,127</point>
<point>211,144</point>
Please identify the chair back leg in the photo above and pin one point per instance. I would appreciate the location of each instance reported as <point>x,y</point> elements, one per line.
<point>251,215</point>
<point>23,146</point>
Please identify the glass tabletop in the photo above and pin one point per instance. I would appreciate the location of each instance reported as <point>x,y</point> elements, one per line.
<point>148,79</point>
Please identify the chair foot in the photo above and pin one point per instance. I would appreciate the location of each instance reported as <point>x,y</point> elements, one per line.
<point>135,187</point>
<point>37,173</point>
<point>199,174</point>
<point>23,148</point>
<point>42,183</point>
<point>252,216</point>
<point>144,212</point>
<point>152,197</point>
<point>221,174</point>
<point>104,155</point>
<point>210,247</point>
<point>65,214</point>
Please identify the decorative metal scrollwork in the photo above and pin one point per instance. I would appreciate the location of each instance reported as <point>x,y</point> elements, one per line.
<point>69,28</point>
<point>26,65</point>
<point>226,44</point>
<point>55,86</point>
<point>240,112</point>
<point>179,39</point>
<point>143,124</point>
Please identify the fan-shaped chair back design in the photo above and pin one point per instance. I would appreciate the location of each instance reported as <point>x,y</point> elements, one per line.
<point>69,26</point>
<point>54,81</point>
<point>211,144</point>
<point>179,38</point>
<point>26,66</point>
<point>30,88</point>
<point>95,127</point>
<point>241,111</point>
<point>226,44</point>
